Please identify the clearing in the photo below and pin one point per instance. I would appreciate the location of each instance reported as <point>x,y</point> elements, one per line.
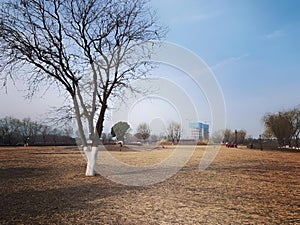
<point>46,185</point>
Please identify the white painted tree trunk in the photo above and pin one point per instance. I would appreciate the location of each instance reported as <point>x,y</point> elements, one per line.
<point>91,153</point>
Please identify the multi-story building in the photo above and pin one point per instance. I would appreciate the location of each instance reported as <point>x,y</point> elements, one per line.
<point>199,131</point>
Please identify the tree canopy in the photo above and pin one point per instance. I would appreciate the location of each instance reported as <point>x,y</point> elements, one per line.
<point>119,130</point>
<point>143,131</point>
<point>174,132</point>
<point>89,49</point>
<point>283,125</point>
<point>15,131</point>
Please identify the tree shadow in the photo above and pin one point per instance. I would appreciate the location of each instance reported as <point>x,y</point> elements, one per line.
<point>21,172</point>
<point>28,205</point>
<point>255,166</point>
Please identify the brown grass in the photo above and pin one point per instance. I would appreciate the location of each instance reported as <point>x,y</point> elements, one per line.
<point>48,186</point>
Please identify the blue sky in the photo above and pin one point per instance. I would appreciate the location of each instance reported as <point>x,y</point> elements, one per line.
<point>252,46</point>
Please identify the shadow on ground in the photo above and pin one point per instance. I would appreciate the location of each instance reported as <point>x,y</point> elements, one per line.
<point>27,206</point>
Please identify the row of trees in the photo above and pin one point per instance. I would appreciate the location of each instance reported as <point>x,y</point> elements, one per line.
<point>284,126</point>
<point>173,134</point>
<point>230,136</point>
<point>14,131</point>
<point>236,136</point>
<point>120,129</point>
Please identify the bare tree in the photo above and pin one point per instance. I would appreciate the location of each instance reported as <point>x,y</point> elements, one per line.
<point>241,135</point>
<point>45,131</point>
<point>9,130</point>
<point>143,131</point>
<point>217,137</point>
<point>90,49</point>
<point>268,134</point>
<point>297,125</point>
<point>281,126</point>
<point>228,136</point>
<point>236,137</point>
<point>28,130</point>
<point>293,116</point>
<point>174,132</point>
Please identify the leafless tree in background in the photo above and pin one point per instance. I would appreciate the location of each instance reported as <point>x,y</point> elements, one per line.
<point>237,137</point>
<point>143,131</point>
<point>228,137</point>
<point>284,126</point>
<point>90,49</point>
<point>28,130</point>
<point>174,132</point>
<point>8,130</point>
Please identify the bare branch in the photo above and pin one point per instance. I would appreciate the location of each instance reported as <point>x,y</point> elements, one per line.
<point>92,49</point>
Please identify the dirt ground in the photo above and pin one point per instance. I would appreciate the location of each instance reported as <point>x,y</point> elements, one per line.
<point>46,185</point>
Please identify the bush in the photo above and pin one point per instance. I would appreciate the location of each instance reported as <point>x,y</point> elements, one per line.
<point>164,142</point>
<point>202,142</point>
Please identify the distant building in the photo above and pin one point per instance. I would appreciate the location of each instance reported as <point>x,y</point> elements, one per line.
<point>199,131</point>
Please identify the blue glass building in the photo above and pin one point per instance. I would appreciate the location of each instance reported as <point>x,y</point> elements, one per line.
<point>199,131</point>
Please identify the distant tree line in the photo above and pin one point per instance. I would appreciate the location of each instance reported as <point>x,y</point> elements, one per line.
<point>14,131</point>
<point>284,126</point>
<point>121,131</point>
<point>237,137</point>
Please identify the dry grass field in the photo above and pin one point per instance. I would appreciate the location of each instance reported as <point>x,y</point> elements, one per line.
<point>46,185</point>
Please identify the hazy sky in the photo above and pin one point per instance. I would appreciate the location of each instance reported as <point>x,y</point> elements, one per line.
<point>252,47</point>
